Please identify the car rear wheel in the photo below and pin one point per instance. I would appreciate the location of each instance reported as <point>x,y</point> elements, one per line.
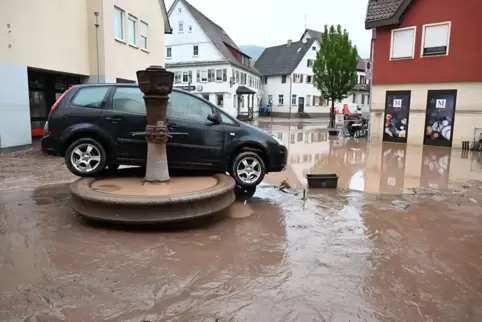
<point>248,169</point>
<point>86,158</point>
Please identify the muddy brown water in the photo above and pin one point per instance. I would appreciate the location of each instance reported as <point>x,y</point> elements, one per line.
<point>336,256</point>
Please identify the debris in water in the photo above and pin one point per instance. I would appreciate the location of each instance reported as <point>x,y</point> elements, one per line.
<point>400,204</point>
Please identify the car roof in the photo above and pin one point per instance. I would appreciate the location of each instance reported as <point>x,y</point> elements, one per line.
<point>120,85</point>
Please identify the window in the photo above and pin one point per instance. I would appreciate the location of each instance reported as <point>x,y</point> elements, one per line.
<point>308,100</point>
<point>219,75</point>
<point>293,99</point>
<point>92,97</point>
<point>226,119</point>
<point>189,29</point>
<point>143,34</point>
<point>177,77</point>
<point>119,23</point>
<point>237,76</point>
<point>435,39</point>
<point>270,99</point>
<point>187,107</point>
<point>129,100</point>
<point>220,100</point>
<point>225,75</point>
<point>210,75</point>
<point>280,100</point>
<point>168,52</point>
<point>206,97</point>
<point>309,79</point>
<point>363,99</point>
<point>266,80</point>
<point>283,79</point>
<point>195,50</point>
<point>198,76</point>
<point>179,10</point>
<point>403,43</point>
<point>187,77</point>
<point>353,98</point>
<point>132,25</point>
<point>181,26</point>
<point>297,78</point>
<point>363,79</point>
<point>310,62</point>
<point>313,48</point>
<point>243,78</point>
<point>204,76</point>
<point>316,101</point>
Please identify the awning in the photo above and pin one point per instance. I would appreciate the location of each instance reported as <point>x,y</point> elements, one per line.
<point>244,90</point>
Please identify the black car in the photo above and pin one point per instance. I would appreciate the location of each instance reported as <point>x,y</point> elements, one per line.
<point>101,126</point>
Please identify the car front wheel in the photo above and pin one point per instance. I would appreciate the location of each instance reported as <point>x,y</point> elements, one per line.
<point>86,158</point>
<point>248,169</point>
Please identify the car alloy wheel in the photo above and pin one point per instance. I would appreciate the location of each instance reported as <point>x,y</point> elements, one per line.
<point>249,170</point>
<point>85,158</point>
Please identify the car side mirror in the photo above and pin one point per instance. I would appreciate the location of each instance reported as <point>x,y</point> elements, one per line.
<point>213,118</point>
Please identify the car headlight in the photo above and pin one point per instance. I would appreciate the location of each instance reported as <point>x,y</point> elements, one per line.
<point>278,140</point>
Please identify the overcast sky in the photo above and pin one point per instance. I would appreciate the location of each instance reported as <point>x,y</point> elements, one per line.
<point>272,22</point>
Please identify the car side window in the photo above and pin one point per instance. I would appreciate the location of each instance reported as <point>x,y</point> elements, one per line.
<point>186,107</point>
<point>226,119</point>
<point>129,100</point>
<point>91,97</point>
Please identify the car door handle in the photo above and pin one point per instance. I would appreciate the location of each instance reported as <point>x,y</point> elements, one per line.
<point>113,119</point>
<point>172,126</point>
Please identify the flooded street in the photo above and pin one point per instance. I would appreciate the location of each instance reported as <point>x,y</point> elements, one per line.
<point>349,255</point>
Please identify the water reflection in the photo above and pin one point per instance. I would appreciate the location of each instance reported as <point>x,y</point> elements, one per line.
<point>376,167</point>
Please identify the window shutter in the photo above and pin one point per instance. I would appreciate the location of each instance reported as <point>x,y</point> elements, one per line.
<point>198,76</point>
<point>402,43</point>
<point>301,78</point>
<point>294,78</point>
<point>314,100</point>
<point>190,76</point>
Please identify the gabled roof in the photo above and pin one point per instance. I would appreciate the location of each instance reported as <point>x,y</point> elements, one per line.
<point>313,34</point>
<point>382,13</point>
<point>218,36</point>
<point>282,59</point>
<point>167,25</point>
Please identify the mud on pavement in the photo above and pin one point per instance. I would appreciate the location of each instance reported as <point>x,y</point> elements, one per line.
<point>336,256</point>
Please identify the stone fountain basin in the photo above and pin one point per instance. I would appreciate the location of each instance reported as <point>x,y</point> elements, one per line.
<point>131,200</point>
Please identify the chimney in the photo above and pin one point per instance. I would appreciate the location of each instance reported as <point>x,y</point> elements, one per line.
<point>289,43</point>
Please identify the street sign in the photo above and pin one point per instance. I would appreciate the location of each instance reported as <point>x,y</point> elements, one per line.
<point>368,70</point>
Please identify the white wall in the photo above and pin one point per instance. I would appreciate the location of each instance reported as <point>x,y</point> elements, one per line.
<point>14,106</point>
<point>182,43</point>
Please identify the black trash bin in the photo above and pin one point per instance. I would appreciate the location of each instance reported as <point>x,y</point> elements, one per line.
<point>322,180</point>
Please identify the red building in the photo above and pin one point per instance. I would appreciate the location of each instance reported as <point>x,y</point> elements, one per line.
<point>427,71</point>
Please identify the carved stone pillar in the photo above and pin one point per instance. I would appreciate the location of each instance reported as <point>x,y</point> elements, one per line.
<point>156,84</point>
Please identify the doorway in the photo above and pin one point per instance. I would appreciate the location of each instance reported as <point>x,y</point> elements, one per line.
<point>301,104</point>
<point>397,110</point>
<point>439,117</point>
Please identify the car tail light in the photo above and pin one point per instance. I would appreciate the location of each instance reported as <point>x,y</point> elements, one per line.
<point>57,103</point>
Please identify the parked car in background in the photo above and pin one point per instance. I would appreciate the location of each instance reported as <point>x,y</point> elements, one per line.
<point>96,126</point>
<point>348,109</point>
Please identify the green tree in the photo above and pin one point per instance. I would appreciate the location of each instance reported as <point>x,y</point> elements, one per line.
<point>334,70</point>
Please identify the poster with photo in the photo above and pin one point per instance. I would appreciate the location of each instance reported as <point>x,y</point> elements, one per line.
<point>397,107</point>
<point>439,118</point>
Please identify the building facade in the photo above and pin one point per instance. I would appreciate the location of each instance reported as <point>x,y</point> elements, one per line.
<point>205,60</point>
<point>53,45</point>
<point>427,71</point>
<point>287,81</point>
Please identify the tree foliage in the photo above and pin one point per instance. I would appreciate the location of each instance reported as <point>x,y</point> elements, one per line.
<point>334,70</point>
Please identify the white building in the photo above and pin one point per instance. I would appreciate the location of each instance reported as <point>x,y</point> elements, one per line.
<point>207,61</point>
<point>287,80</point>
